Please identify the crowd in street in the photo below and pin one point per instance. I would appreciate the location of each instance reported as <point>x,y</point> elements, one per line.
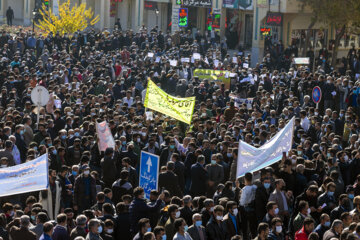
<point>312,193</point>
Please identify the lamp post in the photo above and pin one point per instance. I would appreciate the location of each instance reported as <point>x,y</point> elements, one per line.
<point>157,16</point>
<point>34,18</point>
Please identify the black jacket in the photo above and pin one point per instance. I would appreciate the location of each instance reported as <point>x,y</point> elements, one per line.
<point>170,182</point>
<point>215,231</point>
<point>261,199</point>
<point>199,178</point>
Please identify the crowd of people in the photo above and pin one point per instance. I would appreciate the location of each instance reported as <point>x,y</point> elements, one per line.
<point>312,193</point>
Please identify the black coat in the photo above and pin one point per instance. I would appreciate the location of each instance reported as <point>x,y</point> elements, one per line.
<point>139,209</point>
<point>122,231</point>
<point>215,231</point>
<point>199,179</point>
<point>186,214</point>
<point>261,199</point>
<point>170,182</point>
<point>79,190</point>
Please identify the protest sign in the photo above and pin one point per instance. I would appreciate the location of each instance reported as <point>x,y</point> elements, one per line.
<point>106,139</point>
<point>251,159</point>
<point>23,178</point>
<point>217,76</point>
<point>179,108</point>
<point>240,101</point>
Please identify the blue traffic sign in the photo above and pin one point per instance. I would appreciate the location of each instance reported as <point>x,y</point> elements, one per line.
<point>149,172</point>
<point>316,94</point>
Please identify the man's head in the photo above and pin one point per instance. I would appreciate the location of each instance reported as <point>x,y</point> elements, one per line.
<point>337,226</point>
<point>144,225</point>
<point>24,221</point>
<point>48,228</point>
<point>159,232</point>
<point>276,225</point>
<point>263,230</point>
<point>272,208</point>
<point>81,221</point>
<point>309,225</point>
<point>61,219</point>
<point>218,213</point>
<point>325,220</point>
<point>94,226</point>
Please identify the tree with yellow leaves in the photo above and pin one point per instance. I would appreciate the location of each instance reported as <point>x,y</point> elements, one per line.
<point>69,19</point>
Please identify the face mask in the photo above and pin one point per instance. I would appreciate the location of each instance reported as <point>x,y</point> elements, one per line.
<point>351,196</point>
<point>22,132</point>
<point>228,154</point>
<point>276,211</point>
<point>74,173</point>
<point>213,162</point>
<point>63,137</point>
<point>177,215</point>
<point>321,148</point>
<point>316,113</point>
<point>198,223</point>
<point>149,229</point>
<point>35,148</point>
<point>293,161</point>
<point>235,212</point>
<point>87,172</point>
<point>328,155</point>
<point>163,237</point>
<point>341,115</point>
<point>211,209</point>
<point>138,140</point>
<point>267,185</point>
<point>33,217</point>
<point>308,211</point>
<point>54,152</point>
<point>221,148</point>
<point>100,229</point>
<point>110,231</point>
<point>219,218</point>
<point>77,134</point>
<point>278,229</point>
<point>186,228</point>
<point>330,193</point>
<point>327,224</point>
<point>124,143</point>
<point>172,146</point>
<point>299,153</point>
<point>346,158</point>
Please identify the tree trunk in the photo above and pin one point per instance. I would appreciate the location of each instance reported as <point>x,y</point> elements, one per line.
<point>307,39</point>
<point>336,45</point>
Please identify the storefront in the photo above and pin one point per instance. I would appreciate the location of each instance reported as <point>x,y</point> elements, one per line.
<point>199,12</point>
<point>156,13</point>
<point>239,23</point>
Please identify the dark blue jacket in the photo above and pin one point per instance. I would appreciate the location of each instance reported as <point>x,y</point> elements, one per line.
<point>199,178</point>
<point>139,209</point>
<point>60,233</point>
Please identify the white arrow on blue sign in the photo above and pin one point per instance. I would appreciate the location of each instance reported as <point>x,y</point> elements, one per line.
<point>149,172</point>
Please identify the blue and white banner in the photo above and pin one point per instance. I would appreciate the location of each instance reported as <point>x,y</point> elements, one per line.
<point>240,101</point>
<point>251,159</point>
<point>27,177</point>
<point>149,172</point>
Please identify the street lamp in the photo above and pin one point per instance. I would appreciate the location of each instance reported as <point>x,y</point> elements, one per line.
<point>34,17</point>
<point>157,16</point>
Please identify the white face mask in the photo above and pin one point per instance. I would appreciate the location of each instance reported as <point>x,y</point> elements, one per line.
<point>211,209</point>
<point>177,215</point>
<point>86,172</point>
<point>219,218</point>
<point>235,212</point>
<point>308,211</point>
<point>278,229</point>
<point>110,231</point>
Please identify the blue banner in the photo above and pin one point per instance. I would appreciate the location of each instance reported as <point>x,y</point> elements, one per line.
<point>27,177</point>
<point>149,172</point>
<point>251,159</point>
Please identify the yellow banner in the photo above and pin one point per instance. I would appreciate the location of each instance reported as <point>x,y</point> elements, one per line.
<point>179,108</point>
<point>217,76</point>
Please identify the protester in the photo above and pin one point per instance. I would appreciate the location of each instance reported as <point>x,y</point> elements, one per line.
<point>93,192</point>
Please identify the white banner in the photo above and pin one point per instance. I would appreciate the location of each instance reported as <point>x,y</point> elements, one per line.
<point>240,101</point>
<point>23,178</point>
<point>251,159</point>
<point>106,139</point>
